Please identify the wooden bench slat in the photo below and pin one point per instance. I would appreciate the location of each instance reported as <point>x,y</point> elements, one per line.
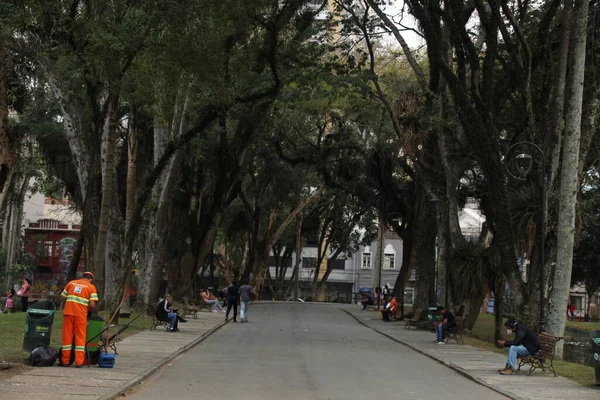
<point>456,333</point>
<point>545,358</point>
<point>415,320</point>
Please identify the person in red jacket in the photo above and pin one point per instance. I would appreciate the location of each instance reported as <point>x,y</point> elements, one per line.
<point>390,308</point>
<point>571,311</point>
<point>81,297</point>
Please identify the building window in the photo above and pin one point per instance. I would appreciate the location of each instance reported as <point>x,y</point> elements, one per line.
<point>337,264</point>
<point>366,261</point>
<point>287,261</point>
<point>309,262</point>
<point>388,261</point>
<point>48,248</point>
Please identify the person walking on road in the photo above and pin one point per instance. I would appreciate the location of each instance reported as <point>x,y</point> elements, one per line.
<point>245,295</point>
<point>526,343</point>
<point>81,297</point>
<point>232,300</point>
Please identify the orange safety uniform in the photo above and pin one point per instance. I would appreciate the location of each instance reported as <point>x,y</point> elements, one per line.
<point>393,306</point>
<point>78,294</point>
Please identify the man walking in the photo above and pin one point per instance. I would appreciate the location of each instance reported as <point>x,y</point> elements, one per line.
<point>245,298</point>
<point>81,297</point>
<point>232,300</point>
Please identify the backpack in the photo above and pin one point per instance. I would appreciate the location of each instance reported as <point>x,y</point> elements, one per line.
<point>43,356</point>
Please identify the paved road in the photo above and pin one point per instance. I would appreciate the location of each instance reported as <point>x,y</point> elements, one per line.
<point>305,351</point>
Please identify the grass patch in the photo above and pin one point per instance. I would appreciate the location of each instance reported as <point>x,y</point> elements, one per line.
<point>12,332</point>
<point>482,337</point>
<point>584,326</point>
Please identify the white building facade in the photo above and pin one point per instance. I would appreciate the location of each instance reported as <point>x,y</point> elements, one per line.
<point>348,275</point>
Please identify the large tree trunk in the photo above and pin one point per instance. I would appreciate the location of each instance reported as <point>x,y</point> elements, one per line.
<point>423,253</point>
<point>569,180</point>
<point>6,149</point>
<point>75,132</point>
<point>163,194</point>
<point>555,129</point>
<point>115,275</point>
<point>11,238</point>
<point>72,273</point>
<point>182,280</point>
<point>261,263</point>
<point>150,267</point>
<point>108,192</point>
<point>132,149</point>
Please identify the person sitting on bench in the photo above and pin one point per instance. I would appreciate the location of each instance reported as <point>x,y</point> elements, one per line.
<point>448,321</point>
<point>211,302</point>
<point>367,300</point>
<point>390,308</point>
<point>165,312</point>
<point>526,343</point>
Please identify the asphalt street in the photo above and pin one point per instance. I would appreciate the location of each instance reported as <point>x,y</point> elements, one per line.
<point>305,351</point>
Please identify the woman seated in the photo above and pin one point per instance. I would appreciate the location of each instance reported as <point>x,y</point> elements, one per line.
<point>206,298</point>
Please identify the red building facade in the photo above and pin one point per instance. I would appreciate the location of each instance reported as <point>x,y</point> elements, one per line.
<point>52,245</point>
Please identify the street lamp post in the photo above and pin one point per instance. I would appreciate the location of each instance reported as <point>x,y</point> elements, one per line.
<point>437,201</point>
<point>380,255</point>
<point>523,165</point>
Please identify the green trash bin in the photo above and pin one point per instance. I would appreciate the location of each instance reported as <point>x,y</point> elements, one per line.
<point>38,324</point>
<point>595,338</point>
<point>432,316</point>
<point>92,335</point>
<point>95,325</point>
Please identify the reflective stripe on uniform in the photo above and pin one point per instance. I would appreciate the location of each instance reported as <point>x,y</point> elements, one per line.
<point>94,297</point>
<point>64,293</point>
<point>77,299</point>
<point>79,348</point>
<point>67,347</point>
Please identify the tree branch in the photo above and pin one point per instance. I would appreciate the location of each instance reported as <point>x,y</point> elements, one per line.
<point>407,52</point>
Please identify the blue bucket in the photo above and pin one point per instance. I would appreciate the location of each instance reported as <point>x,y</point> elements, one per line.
<point>106,360</point>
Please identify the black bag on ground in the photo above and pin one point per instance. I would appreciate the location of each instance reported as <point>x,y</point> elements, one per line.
<point>43,356</point>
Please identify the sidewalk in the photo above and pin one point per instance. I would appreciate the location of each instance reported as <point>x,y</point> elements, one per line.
<point>479,365</point>
<point>139,356</point>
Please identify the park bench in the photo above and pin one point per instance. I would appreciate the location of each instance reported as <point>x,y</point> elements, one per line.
<point>456,333</point>
<point>544,358</point>
<point>190,308</point>
<point>415,320</point>
<point>156,322</point>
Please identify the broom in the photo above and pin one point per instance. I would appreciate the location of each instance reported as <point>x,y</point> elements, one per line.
<point>125,296</point>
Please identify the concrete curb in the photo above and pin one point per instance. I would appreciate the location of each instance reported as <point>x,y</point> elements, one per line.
<point>450,365</point>
<point>120,391</point>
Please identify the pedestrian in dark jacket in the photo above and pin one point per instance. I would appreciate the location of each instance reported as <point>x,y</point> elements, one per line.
<point>526,343</point>
<point>232,292</point>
